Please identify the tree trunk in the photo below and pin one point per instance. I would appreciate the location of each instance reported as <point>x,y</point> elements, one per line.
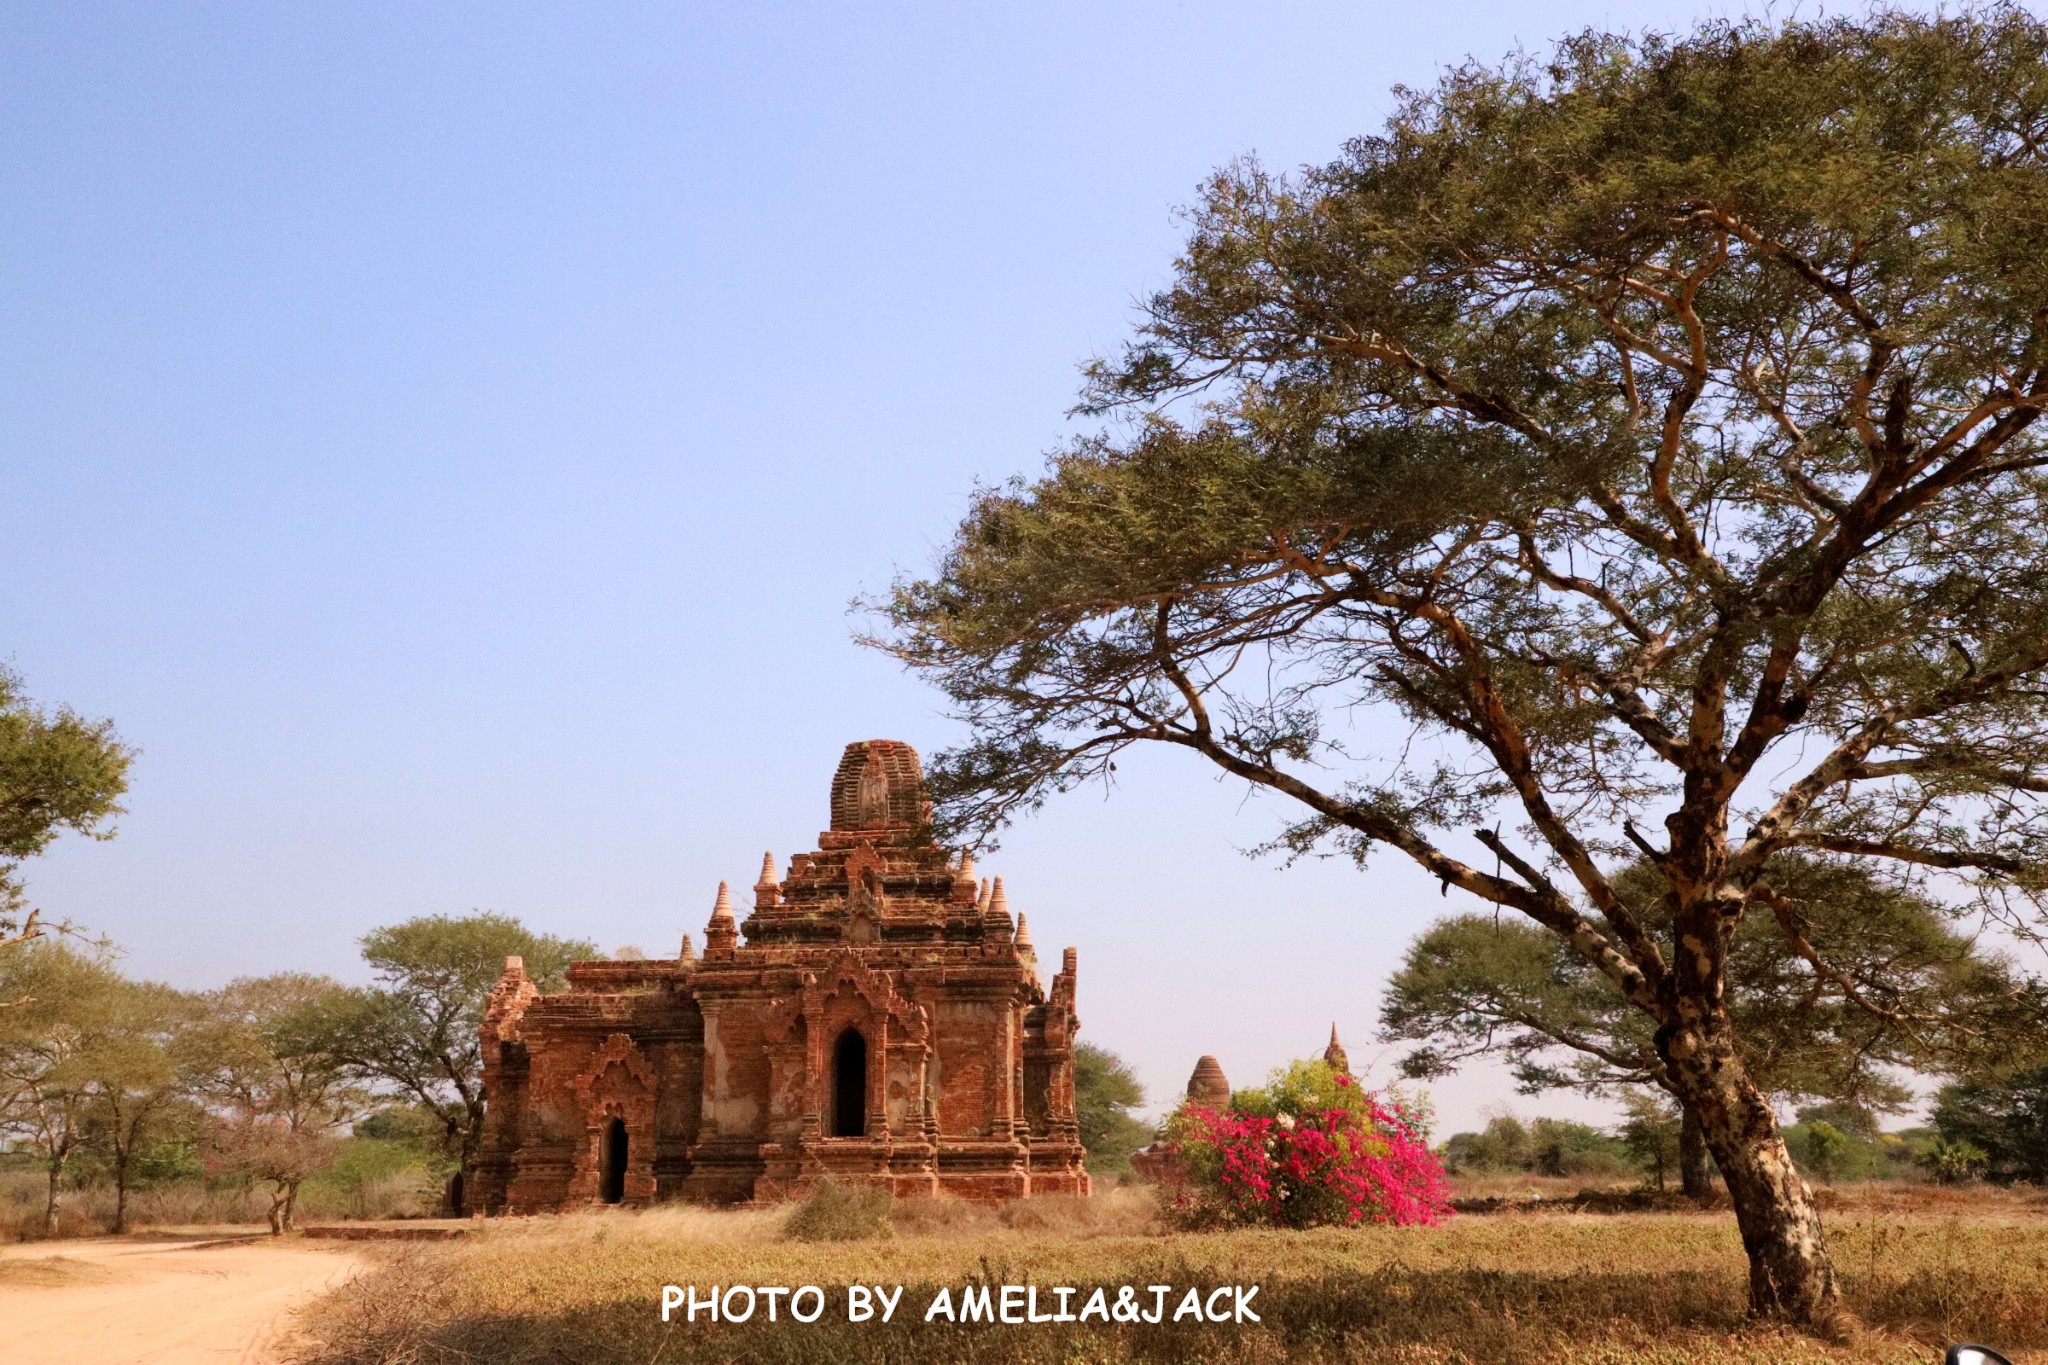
<point>123,1154</point>
<point>277,1219</point>
<point>1790,1274</point>
<point>472,1147</point>
<point>50,1205</point>
<point>1695,1163</point>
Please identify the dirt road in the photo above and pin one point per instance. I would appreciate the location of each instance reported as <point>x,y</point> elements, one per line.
<point>159,1302</point>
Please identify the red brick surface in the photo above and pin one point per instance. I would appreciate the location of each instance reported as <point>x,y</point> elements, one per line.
<point>721,1067</point>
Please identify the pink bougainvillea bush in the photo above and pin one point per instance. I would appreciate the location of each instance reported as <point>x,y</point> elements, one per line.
<point>1312,1149</point>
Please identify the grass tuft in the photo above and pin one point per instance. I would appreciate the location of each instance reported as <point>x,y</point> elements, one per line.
<point>835,1212</point>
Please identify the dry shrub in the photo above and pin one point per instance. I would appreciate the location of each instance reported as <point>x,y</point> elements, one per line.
<point>835,1212</point>
<point>90,1212</point>
<point>1661,1288</point>
<point>1122,1210</point>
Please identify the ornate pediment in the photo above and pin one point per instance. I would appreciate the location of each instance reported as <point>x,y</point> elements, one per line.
<point>848,981</point>
<point>617,1065</point>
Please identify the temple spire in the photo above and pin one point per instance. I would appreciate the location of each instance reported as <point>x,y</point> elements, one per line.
<point>689,953</point>
<point>767,891</point>
<point>1024,938</point>
<point>1334,1054</point>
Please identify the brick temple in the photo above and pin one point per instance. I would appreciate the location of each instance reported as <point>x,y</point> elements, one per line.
<point>878,1018</point>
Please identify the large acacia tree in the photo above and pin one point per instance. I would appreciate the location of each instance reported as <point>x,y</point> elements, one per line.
<point>1655,429</point>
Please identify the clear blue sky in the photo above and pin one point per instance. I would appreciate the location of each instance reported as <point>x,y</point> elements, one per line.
<point>446,440</point>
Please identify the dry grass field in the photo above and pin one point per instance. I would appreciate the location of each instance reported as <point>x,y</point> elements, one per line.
<point>1921,1266</point>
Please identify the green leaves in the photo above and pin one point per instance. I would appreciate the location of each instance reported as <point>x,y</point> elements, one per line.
<point>1891,986</point>
<point>1618,423</point>
<point>1106,1090</point>
<point>417,1031</point>
<point>58,771</point>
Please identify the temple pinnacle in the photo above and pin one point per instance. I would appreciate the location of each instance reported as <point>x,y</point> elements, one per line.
<point>1334,1054</point>
<point>721,909</point>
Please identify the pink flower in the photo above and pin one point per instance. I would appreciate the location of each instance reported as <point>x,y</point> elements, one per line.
<point>1301,1170</point>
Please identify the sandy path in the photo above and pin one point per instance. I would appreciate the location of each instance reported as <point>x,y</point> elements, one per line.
<point>146,1302</point>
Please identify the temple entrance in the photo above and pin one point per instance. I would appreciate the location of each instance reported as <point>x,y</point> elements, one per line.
<point>850,1085</point>
<point>611,1185</point>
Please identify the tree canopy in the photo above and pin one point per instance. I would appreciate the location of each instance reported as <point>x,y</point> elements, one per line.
<point>1106,1090</point>
<point>418,1031</point>
<point>1654,430</point>
<point>58,772</point>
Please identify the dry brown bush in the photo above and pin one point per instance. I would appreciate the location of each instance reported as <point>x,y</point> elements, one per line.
<point>90,1212</point>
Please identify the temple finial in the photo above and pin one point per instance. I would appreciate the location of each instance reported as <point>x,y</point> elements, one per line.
<point>689,952</point>
<point>998,912</point>
<point>1334,1054</point>
<point>722,935</point>
<point>767,891</point>
<point>966,873</point>
<point>1024,938</point>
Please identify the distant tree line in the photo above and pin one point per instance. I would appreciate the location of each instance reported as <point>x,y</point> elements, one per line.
<point>1873,986</point>
<point>1829,1142</point>
<point>267,1080</point>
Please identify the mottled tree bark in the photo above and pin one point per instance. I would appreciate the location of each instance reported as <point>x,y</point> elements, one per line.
<point>1790,1273</point>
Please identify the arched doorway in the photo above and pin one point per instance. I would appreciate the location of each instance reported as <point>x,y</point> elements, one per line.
<point>850,1085</point>
<point>611,1185</point>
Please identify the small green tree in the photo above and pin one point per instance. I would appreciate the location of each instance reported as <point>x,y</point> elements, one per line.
<point>58,771</point>
<point>280,1098</point>
<point>1822,1149</point>
<point>2005,1118</point>
<point>1502,1145</point>
<point>57,1041</point>
<point>1952,1163</point>
<point>416,1033</point>
<point>1650,1134</point>
<point>1106,1090</point>
<point>141,1074</point>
